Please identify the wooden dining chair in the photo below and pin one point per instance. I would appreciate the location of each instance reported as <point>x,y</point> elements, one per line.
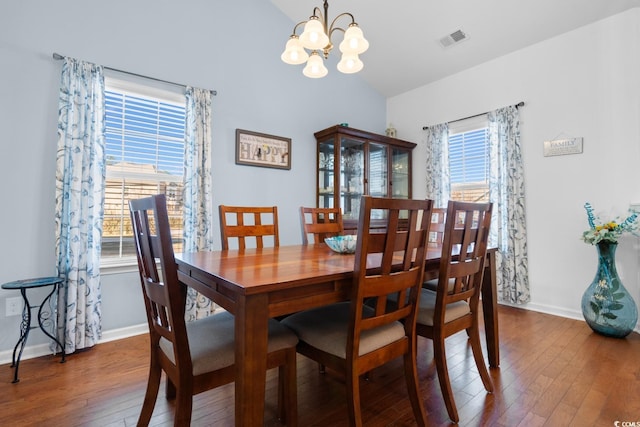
<point>199,355</point>
<point>353,337</point>
<point>256,223</point>
<point>320,223</point>
<point>453,306</point>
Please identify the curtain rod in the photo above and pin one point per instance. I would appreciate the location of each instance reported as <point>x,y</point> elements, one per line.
<point>59,57</point>
<point>519,104</point>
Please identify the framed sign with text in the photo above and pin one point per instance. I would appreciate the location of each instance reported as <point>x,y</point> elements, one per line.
<point>259,149</point>
<point>562,147</point>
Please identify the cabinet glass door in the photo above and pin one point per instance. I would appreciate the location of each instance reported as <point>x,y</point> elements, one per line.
<point>351,176</point>
<point>326,174</point>
<point>399,174</point>
<point>378,174</point>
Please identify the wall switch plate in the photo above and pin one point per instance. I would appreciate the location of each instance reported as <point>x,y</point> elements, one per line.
<point>14,306</point>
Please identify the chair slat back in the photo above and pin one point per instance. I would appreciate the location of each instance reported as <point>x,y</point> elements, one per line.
<point>249,223</point>
<point>164,296</point>
<point>389,264</point>
<point>320,223</point>
<point>436,229</point>
<point>463,253</point>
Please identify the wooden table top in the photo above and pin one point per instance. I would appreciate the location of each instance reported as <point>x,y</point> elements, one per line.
<point>252,270</point>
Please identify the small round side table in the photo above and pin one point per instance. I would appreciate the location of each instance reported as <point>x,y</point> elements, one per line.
<point>43,316</point>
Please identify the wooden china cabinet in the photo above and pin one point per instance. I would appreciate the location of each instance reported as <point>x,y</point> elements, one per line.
<point>352,163</point>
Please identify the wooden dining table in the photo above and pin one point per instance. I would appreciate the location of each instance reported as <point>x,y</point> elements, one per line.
<point>258,284</point>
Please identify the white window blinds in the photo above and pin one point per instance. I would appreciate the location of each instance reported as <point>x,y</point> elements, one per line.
<point>144,138</point>
<point>469,160</point>
<point>469,157</point>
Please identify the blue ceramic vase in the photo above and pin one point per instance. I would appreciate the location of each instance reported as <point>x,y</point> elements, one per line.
<point>607,307</point>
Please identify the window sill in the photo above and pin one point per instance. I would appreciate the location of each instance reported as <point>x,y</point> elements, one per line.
<point>118,265</point>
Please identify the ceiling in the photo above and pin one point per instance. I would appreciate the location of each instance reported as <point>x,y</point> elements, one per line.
<point>405,52</point>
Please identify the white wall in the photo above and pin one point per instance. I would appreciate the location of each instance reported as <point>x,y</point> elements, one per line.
<point>581,84</point>
<point>233,47</point>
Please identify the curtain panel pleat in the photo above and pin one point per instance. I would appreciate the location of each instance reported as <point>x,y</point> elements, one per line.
<point>438,181</point>
<point>506,192</point>
<point>80,180</point>
<point>197,190</point>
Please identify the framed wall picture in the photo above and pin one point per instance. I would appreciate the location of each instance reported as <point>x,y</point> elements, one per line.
<point>259,149</point>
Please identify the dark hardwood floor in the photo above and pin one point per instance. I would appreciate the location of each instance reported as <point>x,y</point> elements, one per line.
<point>554,372</point>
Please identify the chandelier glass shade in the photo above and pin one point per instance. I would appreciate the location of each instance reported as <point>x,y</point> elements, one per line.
<point>316,38</point>
<point>315,67</point>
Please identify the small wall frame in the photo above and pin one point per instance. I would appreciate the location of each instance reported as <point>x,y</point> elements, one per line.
<point>562,147</point>
<point>260,149</point>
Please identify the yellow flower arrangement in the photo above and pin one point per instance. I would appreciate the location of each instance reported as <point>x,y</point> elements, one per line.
<point>610,231</point>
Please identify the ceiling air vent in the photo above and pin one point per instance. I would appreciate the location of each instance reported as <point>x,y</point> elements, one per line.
<point>456,37</point>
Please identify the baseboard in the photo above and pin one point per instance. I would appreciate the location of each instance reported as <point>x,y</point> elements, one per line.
<point>129,331</point>
<point>557,311</point>
<point>44,350</point>
<point>548,309</point>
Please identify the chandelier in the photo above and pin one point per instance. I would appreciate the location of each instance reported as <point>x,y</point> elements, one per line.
<point>316,37</point>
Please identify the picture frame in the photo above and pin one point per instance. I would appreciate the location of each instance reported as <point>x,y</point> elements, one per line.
<point>562,147</point>
<point>261,149</point>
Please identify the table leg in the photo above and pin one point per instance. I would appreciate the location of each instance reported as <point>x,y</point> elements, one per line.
<point>490,309</point>
<point>251,330</point>
<point>41,320</point>
<point>25,327</point>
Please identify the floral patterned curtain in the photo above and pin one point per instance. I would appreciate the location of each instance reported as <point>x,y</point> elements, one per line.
<point>80,179</point>
<point>197,190</point>
<point>506,192</point>
<point>438,182</point>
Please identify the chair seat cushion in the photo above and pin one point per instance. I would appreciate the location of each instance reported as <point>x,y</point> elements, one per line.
<point>326,328</point>
<point>433,284</point>
<point>427,309</point>
<point>212,342</point>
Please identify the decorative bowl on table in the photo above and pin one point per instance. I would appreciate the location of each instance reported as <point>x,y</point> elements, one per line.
<point>342,244</point>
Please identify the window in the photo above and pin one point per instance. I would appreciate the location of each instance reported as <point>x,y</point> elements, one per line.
<point>145,130</point>
<point>469,161</point>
